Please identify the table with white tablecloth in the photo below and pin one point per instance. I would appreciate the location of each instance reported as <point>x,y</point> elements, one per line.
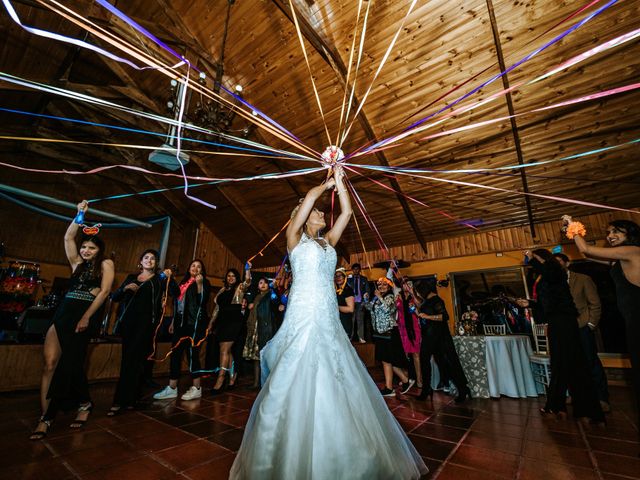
<point>497,365</point>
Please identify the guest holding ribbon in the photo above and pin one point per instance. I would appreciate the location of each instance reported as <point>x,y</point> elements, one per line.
<point>587,301</point>
<point>554,306</point>
<point>229,322</point>
<point>387,336</point>
<point>261,326</point>
<point>409,328</point>
<point>346,303</point>
<point>189,329</point>
<point>624,238</point>
<point>141,298</point>
<point>436,340</point>
<point>64,380</point>
<point>360,331</point>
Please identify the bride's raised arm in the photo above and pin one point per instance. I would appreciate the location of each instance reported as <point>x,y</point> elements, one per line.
<point>302,211</point>
<point>333,235</point>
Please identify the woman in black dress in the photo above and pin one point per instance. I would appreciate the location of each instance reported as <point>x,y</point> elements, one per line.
<point>346,301</point>
<point>189,329</point>
<point>141,299</point>
<point>437,341</point>
<point>554,306</point>
<point>624,236</point>
<point>64,381</point>
<point>229,322</point>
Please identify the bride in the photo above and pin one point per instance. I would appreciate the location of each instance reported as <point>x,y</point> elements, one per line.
<point>319,414</point>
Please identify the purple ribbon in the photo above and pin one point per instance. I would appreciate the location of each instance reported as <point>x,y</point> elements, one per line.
<point>495,77</point>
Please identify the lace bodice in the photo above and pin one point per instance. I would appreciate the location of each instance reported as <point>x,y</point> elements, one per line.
<point>313,267</point>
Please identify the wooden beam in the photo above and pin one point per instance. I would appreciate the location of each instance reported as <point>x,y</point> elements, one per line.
<point>330,55</point>
<point>514,125</point>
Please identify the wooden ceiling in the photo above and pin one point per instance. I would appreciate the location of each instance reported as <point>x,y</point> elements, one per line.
<point>441,45</point>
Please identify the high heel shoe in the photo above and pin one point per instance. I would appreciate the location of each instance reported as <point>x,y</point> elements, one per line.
<point>427,392</point>
<point>222,388</point>
<point>463,394</point>
<point>40,434</point>
<point>114,410</point>
<point>85,408</point>
<point>231,386</point>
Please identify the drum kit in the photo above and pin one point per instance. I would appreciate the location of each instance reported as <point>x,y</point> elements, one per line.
<point>21,319</point>
<point>18,286</point>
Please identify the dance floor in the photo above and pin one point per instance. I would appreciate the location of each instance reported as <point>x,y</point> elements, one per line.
<point>484,439</point>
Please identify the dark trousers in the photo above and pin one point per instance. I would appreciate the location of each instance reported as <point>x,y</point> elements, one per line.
<point>633,348</point>
<point>569,371</point>
<point>135,350</point>
<point>437,341</point>
<point>181,349</point>
<point>594,365</point>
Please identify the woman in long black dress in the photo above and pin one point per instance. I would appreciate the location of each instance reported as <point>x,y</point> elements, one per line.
<point>437,341</point>
<point>229,322</point>
<point>624,236</point>
<point>140,296</point>
<point>555,307</point>
<point>189,328</point>
<point>64,380</point>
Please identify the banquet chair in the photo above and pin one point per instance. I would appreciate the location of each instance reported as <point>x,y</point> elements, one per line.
<point>540,361</point>
<point>494,329</point>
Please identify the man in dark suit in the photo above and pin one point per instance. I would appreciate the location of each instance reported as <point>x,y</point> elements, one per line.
<point>585,296</point>
<point>360,286</point>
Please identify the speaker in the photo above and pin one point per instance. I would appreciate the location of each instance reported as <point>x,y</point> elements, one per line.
<point>34,322</point>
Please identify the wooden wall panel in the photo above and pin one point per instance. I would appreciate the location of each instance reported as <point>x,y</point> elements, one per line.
<point>34,237</point>
<point>515,238</point>
<point>215,255</point>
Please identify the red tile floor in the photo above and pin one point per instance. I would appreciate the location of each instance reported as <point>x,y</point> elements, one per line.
<point>483,439</point>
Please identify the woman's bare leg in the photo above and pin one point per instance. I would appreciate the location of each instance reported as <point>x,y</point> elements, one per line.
<point>418,367</point>
<point>388,375</point>
<point>402,374</point>
<point>225,362</point>
<point>51,353</point>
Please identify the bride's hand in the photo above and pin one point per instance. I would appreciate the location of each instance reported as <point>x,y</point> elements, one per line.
<point>331,183</point>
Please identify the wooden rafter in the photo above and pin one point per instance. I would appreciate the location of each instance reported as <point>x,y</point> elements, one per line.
<point>330,55</point>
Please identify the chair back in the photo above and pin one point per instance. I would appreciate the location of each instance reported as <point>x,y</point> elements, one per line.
<point>540,338</point>
<point>494,329</point>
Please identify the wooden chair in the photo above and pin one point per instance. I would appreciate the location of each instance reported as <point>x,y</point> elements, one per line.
<point>540,360</point>
<point>494,329</point>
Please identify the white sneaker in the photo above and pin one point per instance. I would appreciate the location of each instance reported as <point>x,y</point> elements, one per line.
<point>166,393</point>
<point>192,393</point>
<point>407,386</point>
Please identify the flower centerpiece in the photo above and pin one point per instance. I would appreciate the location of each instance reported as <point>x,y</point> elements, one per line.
<point>468,323</point>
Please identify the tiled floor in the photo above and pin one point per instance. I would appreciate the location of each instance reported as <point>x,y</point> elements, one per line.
<point>484,439</point>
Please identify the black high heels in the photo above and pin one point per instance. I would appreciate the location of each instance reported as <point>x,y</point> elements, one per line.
<point>82,409</point>
<point>463,393</point>
<point>40,434</point>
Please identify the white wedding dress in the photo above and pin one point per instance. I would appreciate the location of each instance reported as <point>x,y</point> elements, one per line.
<point>319,414</point>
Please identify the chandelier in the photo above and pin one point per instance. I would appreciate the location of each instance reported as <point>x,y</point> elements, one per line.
<point>205,112</point>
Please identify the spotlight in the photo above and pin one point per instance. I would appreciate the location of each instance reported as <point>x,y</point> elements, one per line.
<point>239,88</point>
